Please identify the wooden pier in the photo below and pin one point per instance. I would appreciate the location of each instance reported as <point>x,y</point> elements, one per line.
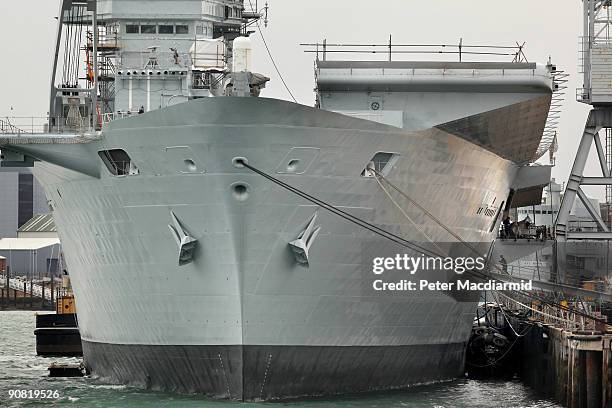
<point>27,295</point>
<point>574,368</point>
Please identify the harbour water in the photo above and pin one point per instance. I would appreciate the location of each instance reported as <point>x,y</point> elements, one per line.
<point>21,369</point>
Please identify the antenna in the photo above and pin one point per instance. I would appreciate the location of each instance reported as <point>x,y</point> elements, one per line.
<point>254,15</point>
<point>266,8</point>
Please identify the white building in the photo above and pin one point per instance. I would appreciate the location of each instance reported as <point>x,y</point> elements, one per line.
<point>546,213</point>
<point>36,252</point>
<point>20,198</point>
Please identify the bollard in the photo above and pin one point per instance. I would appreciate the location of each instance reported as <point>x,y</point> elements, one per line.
<point>593,378</point>
<point>573,397</point>
<point>582,396</point>
<point>568,368</point>
<point>606,380</point>
<point>560,361</point>
<point>563,366</point>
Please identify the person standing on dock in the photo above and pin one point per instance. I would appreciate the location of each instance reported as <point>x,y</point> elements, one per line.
<point>507,227</point>
<point>503,263</point>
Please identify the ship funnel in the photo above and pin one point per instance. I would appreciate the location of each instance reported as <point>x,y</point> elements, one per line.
<point>242,50</point>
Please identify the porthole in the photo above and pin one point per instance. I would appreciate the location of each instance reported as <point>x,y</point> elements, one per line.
<point>118,162</point>
<point>380,164</point>
<point>190,165</point>
<point>292,165</point>
<point>239,162</point>
<point>240,191</point>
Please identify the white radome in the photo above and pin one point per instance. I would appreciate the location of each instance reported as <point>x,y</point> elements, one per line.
<point>243,49</point>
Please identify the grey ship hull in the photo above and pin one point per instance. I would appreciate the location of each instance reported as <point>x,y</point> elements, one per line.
<point>244,320</point>
<point>249,373</point>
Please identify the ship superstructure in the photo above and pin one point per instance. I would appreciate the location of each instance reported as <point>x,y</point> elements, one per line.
<point>193,272</point>
<point>147,56</point>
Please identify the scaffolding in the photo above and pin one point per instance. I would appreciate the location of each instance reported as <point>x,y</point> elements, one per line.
<point>107,48</point>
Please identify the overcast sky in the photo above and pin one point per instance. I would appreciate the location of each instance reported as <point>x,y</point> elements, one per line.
<point>548,27</point>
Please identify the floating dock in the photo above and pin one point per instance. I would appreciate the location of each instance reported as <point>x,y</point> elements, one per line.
<point>67,370</point>
<point>57,335</point>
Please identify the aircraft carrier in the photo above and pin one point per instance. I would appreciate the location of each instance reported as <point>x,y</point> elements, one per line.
<point>194,273</point>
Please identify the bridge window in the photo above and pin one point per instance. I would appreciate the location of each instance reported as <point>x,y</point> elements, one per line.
<point>182,29</point>
<point>148,29</point>
<point>166,29</point>
<point>132,29</point>
<point>118,162</point>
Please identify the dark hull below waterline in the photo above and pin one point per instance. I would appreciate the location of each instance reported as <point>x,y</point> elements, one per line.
<point>273,372</point>
<point>59,342</point>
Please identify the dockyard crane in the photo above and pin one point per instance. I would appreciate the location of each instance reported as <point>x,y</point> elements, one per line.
<point>596,61</point>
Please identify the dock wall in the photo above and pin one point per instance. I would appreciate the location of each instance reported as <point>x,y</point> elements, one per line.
<point>573,368</point>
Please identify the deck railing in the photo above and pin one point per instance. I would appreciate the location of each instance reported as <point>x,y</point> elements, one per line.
<point>392,51</point>
<point>27,125</point>
<point>111,116</point>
